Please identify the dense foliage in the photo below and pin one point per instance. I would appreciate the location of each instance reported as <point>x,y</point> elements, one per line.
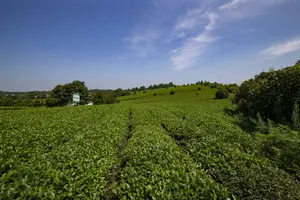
<point>8,101</point>
<point>61,95</point>
<point>120,92</point>
<point>222,93</point>
<point>172,92</point>
<point>104,98</point>
<point>274,95</point>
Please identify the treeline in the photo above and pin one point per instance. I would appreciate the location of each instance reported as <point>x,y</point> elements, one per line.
<point>25,95</point>
<point>61,95</point>
<point>23,99</point>
<point>8,101</point>
<point>126,92</point>
<point>273,95</point>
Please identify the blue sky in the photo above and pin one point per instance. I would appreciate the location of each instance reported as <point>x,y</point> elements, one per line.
<point>114,43</point>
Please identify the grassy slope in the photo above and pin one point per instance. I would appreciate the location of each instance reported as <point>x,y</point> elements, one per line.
<point>182,93</point>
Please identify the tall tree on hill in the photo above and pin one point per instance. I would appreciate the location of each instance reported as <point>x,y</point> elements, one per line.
<point>63,93</point>
<point>142,88</point>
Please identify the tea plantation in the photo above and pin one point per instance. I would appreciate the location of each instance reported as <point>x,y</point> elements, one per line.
<point>184,146</point>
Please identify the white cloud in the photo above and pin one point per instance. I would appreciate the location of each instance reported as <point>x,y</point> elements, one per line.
<point>142,41</point>
<point>190,20</point>
<point>212,21</point>
<point>204,37</point>
<point>193,47</point>
<point>232,4</point>
<point>281,49</point>
<point>194,30</point>
<point>186,23</point>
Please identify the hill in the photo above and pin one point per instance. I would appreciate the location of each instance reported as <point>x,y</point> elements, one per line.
<point>182,93</point>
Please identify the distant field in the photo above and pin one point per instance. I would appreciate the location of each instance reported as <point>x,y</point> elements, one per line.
<point>181,146</point>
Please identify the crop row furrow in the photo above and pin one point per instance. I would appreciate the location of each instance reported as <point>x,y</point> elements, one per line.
<point>156,168</point>
<point>247,176</point>
<point>113,177</point>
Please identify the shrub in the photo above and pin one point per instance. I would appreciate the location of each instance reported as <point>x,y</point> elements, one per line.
<point>199,88</point>
<point>144,91</point>
<point>51,102</point>
<point>172,92</point>
<point>37,103</point>
<point>104,98</point>
<point>154,94</point>
<point>197,93</point>
<point>296,117</point>
<point>222,94</point>
<point>6,101</point>
<point>272,94</point>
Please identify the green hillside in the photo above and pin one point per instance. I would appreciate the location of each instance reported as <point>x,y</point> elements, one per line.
<point>182,93</point>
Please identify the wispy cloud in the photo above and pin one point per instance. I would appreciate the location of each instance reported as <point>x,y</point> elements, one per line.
<point>187,55</point>
<point>186,29</point>
<point>232,4</point>
<point>283,48</point>
<point>212,17</point>
<point>141,41</point>
<point>195,45</point>
<point>190,20</point>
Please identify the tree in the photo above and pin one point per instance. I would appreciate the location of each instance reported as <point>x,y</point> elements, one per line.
<point>99,98</point>
<point>7,101</point>
<point>272,94</point>
<point>222,93</point>
<point>51,102</point>
<point>37,103</point>
<point>63,93</point>
<point>155,86</point>
<point>134,89</point>
<point>142,88</point>
<point>120,92</point>
<point>104,98</point>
